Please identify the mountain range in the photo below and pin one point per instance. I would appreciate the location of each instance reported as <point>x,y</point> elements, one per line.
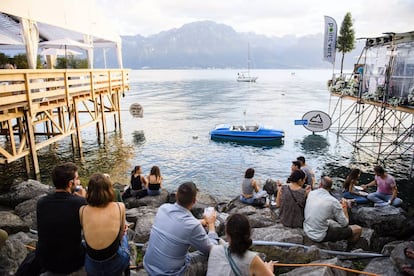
<point>207,44</point>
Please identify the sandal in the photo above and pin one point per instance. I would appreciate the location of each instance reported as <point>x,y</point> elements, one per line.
<point>409,252</point>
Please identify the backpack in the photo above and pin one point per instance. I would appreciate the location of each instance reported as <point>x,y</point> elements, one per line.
<point>270,187</point>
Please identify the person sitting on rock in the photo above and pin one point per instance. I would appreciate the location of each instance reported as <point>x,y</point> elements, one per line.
<point>104,229</point>
<point>321,207</point>
<point>291,199</point>
<point>250,189</point>
<point>349,191</point>
<point>137,184</point>
<point>59,247</point>
<point>294,167</point>
<point>175,229</point>
<point>154,180</point>
<point>310,175</point>
<point>387,191</point>
<point>234,258</point>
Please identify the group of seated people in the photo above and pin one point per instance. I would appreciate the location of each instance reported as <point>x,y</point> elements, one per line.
<point>141,186</point>
<point>93,215</point>
<point>301,206</point>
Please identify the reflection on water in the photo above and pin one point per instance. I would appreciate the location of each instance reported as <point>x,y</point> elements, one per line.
<point>138,137</point>
<point>314,143</point>
<point>182,106</point>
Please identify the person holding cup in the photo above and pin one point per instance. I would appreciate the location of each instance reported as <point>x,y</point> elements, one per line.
<point>175,229</point>
<point>321,207</point>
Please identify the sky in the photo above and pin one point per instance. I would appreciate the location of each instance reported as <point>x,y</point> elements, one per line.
<point>267,17</point>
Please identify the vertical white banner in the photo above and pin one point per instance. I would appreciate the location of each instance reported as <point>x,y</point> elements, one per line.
<point>329,46</point>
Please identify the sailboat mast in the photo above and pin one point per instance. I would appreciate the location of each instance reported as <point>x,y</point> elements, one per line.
<point>248,59</point>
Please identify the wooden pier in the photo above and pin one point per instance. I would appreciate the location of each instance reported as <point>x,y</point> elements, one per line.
<point>41,107</point>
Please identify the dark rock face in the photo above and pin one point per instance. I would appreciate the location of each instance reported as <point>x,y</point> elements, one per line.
<point>23,191</point>
<point>383,229</point>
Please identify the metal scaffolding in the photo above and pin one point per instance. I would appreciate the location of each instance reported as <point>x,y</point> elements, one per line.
<point>374,109</point>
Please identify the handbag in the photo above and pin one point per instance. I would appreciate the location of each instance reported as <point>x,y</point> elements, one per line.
<point>259,201</point>
<point>232,263</point>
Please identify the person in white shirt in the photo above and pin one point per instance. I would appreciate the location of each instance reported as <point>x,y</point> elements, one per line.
<point>320,209</point>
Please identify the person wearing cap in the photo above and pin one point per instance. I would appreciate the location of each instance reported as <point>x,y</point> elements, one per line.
<point>310,175</point>
<point>321,207</point>
<point>59,247</point>
<point>175,229</point>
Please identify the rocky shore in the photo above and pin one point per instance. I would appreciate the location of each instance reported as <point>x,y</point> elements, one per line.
<point>386,232</point>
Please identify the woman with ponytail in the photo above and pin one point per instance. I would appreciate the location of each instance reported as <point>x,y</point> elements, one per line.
<point>234,258</point>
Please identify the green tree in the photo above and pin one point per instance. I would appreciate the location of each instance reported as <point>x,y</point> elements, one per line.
<point>71,62</point>
<point>346,38</point>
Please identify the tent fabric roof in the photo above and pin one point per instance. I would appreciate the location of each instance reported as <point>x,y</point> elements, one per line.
<point>61,19</point>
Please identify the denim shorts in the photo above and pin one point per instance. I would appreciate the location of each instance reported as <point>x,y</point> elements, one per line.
<point>115,265</point>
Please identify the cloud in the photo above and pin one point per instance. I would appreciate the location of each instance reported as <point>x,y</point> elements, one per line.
<point>268,17</point>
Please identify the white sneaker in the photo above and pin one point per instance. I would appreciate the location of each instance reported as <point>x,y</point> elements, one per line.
<point>382,204</point>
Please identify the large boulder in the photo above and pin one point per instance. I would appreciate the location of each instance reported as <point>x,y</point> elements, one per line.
<point>11,223</point>
<point>278,237</point>
<point>398,257</point>
<point>153,201</point>
<point>258,217</point>
<point>385,221</point>
<point>319,270</point>
<point>27,211</point>
<point>143,217</point>
<point>382,266</point>
<point>12,255</point>
<point>24,191</point>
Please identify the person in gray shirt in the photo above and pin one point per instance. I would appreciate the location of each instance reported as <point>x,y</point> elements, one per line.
<point>175,229</point>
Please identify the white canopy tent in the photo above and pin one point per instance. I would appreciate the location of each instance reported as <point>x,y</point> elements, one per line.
<point>43,20</point>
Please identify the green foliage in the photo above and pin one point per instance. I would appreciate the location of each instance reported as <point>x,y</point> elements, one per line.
<point>346,39</point>
<point>4,59</point>
<point>21,61</point>
<point>71,62</point>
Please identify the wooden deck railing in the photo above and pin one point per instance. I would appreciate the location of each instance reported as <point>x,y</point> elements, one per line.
<point>54,98</point>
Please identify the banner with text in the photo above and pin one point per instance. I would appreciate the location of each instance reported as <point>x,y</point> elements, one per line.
<point>329,47</point>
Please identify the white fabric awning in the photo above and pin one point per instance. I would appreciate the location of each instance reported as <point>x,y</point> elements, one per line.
<point>81,16</point>
<point>78,20</point>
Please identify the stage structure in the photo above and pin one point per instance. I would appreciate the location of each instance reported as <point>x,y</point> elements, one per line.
<point>373,107</point>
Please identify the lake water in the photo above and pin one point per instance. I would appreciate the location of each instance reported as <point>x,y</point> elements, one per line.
<point>182,106</point>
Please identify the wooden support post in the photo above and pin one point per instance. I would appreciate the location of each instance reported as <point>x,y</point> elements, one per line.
<point>103,119</point>
<point>118,102</point>
<point>11,135</point>
<point>78,126</point>
<point>32,142</point>
<point>24,140</point>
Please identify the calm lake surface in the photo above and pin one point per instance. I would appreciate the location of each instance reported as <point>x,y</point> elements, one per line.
<point>182,106</point>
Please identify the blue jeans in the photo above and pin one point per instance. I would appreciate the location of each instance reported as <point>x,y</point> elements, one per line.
<point>247,200</point>
<point>358,199</point>
<point>378,197</point>
<point>153,192</point>
<point>114,265</point>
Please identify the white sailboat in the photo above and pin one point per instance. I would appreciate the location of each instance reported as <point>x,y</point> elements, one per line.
<point>245,76</point>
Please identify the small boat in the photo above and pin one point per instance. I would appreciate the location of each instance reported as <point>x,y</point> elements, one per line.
<point>242,78</point>
<point>255,134</point>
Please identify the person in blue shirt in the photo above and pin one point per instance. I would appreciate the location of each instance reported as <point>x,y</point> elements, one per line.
<point>175,229</point>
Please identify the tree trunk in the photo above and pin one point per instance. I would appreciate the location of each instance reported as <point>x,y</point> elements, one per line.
<point>342,61</point>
